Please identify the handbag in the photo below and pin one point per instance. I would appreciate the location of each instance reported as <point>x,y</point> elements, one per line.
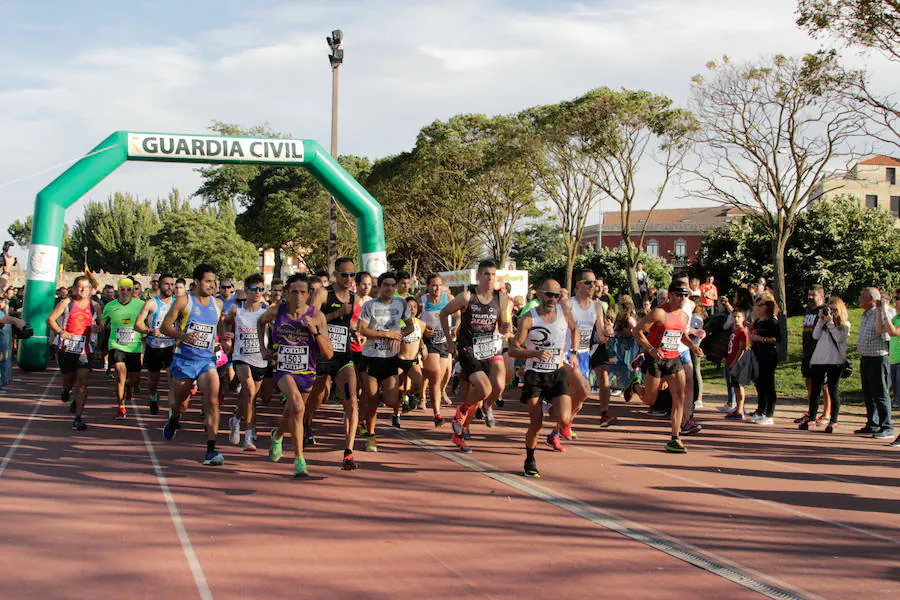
<point>846,368</point>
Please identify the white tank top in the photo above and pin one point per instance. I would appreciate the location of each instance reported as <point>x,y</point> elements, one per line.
<point>246,339</point>
<point>162,309</point>
<point>585,318</point>
<point>546,336</point>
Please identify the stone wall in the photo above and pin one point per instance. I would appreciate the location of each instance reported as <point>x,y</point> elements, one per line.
<point>17,278</point>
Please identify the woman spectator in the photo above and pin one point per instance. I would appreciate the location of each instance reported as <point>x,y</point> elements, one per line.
<point>765,335</point>
<point>743,302</point>
<point>827,361</point>
<point>697,333</point>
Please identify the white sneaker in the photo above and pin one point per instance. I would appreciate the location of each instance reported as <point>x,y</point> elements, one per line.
<point>234,436</point>
<point>616,392</point>
<point>698,404</point>
<point>755,419</point>
<point>249,441</point>
<point>766,421</point>
<point>546,406</point>
<point>725,408</point>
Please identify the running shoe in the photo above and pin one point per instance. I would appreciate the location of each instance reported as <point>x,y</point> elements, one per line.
<point>500,402</point>
<point>395,421</point>
<point>466,434</point>
<point>460,443</point>
<point>110,375</point>
<point>894,444</point>
<point>691,427</point>
<point>531,469</point>
<point>801,418</point>
<point>830,427</point>
<point>194,388</point>
<point>414,402</point>
<point>883,435</point>
<point>154,404</point>
<point>479,413</point>
<point>755,419</point>
<point>804,425</point>
<point>169,430</point>
<point>300,469</point>
<point>765,421</point>
<point>864,431</point>
<point>348,464</point>
<point>657,412</point>
<point>606,420</point>
<point>361,429</point>
<point>405,406</point>
<point>675,446</point>
<point>698,404</point>
<point>120,413</point>
<point>234,433</point>
<point>553,441</point>
<point>725,408</point>
<point>735,415</point>
<point>566,431</point>
<point>249,443</point>
<point>78,424</point>
<point>276,446</point>
<point>446,399</point>
<point>65,395</point>
<point>458,418</point>
<point>309,437</point>
<point>371,444</point>
<point>438,421</point>
<point>489,419</point>
<point>213,459</point>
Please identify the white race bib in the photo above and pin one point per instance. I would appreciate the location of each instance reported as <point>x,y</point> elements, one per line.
<point>248,342</point>
<point>205,335</point>
<point>551,365</point>
<point>485,346</point>
<point>124,336</point>
<point>339,336</point>
<point>670,340</point>
<point>439,336</point>
<point>292,359</point>
<point>75,345</point>
<point>584,338</point>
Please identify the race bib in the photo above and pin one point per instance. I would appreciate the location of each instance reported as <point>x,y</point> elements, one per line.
<point>293,359</point>
<point>160,341</point>
<point>485,347</point>
<point>339,336</point>
<point>382,345</point>
<point>74,345</point>
<point>248,342</point>
<point>413,337</point>
<point>584,338</point>
<point>124,336</point>
<point>550,365</point>
<point>204,334</point>
<point>439,336</point>
<point>670,340</point>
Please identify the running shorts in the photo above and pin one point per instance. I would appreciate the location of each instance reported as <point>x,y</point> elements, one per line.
<point>157,359</point>
<point>686,358</point>
<point>256,373</point>
<point>545,386</point>
<point>439,349</point>
<point>304,381</point>
<point>379,368</point>
<point>69,363</point>
<point>182,368</point>
<point>405,365</point>
<point>334,364</point>
<point>663,367</point>
<point>132,360</point>
<point>600,357</point>
<point>470,365</point>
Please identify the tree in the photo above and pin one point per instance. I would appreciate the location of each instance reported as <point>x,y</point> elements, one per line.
<point>188,238</point>
<point>21,233</point>
<point>117,234</point>
<point>769,134</point>
<point>611,265</point>
<point>533,244</point>
<point>622,131</point>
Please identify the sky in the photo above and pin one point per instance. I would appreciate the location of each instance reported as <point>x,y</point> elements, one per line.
<point>73,72</point>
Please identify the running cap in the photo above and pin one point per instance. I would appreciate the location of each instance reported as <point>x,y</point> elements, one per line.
<point>125,282</point>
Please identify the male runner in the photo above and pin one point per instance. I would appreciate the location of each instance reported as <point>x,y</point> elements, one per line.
<point>299,338</point>
<point>404,281</point>
<point>249,363</point>
<point>180,287</point>
<point>276,295</point>
<point>437,363</point>
<point>192,321</point>
<point>411,379</point>
<point>338,305</point>
<point>160,348</point>
<point>81,322</point>
<point>125,344</point>
<point>379,323</point>
<point>478,347</point>
<point>543,332</point>
<point>229,299</point>
<point>659,333</point>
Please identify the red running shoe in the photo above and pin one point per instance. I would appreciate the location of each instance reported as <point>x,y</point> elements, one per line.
<point>460,443</point>
<point>566,431</point>
<point>606,420</point>
<point>458,418</point>
<point>553,442</point>
<point>120,412</point>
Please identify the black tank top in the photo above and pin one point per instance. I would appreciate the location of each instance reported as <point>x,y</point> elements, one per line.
<point>478,320</point>
<point>338,329</point>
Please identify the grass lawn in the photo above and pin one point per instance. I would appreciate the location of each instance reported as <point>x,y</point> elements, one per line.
<point>789,383</point>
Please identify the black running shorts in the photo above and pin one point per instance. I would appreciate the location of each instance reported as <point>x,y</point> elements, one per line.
<point>545,386</point>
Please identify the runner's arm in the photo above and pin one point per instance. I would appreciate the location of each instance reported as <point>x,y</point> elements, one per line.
<point>168,325</point>
<point>654,316</point>
<point>326,350</point>
<point>573,330</point>
<point>55,314</point>
<point>261,324</point>
<point>140,324</point>
<point>455,305</point>
<point>505,324</point>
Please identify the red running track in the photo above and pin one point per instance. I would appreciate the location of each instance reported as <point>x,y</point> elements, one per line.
<point>746,513</point>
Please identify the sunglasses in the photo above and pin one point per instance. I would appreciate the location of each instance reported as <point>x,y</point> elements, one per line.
<point>351,274</point>
<point>256,288</point>
<point>227,287</point>
<point>552,294</point>
<point>681,295</point>
<point>588,281</point>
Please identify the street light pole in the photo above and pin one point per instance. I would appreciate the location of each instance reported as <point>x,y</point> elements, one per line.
<point>336,58</point>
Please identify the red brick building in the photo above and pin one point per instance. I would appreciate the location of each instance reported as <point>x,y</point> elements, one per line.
<point>672,233</point>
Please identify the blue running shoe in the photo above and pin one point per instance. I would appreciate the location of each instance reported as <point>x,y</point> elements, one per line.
<point>169,430</point>
<point>213,459</point>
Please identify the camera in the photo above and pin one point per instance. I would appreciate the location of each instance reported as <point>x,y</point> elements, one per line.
<point>826,311</point>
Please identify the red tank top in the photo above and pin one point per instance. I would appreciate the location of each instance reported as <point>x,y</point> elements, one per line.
<point>80,322</point>
<point>666,337</point>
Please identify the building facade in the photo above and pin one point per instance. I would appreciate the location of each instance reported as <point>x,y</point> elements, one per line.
<point>873,182</point>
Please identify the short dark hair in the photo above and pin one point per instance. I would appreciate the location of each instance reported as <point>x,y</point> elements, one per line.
<point>816,287</point>
<point>401,274</point>
<point>79,279</point>
<point>254,279</point>
<point>164,275</point>
<point>387,275</point>
<point>202,269</point>
<point>486,264</point>
<point>321,274</point>
<point>431,277</point>
<point>362,275</point>
<point>341,261</point>
<point>180,280</point>
<point>295,278</point>
<point>276,281</point>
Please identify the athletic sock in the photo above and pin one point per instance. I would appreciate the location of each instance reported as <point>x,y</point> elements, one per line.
<point>529,453</point>
<point>347,452</point>
<point>210,445</point>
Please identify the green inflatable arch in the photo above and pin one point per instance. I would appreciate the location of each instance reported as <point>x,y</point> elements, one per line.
<point>52,201</point>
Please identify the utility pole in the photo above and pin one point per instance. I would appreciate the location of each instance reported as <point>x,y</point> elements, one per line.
<point>336,58</point>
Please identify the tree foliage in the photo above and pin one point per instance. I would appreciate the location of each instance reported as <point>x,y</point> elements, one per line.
<point>533,244</point>
<point>611,265</point>
<point>870,23</point>
<point>20,231</point>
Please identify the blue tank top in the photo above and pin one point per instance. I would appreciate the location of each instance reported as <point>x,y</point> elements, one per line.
<point>431,317</point>
<point>162,309</point>
<point>202,321</point>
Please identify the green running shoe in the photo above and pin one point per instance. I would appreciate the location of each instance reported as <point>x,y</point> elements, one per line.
<point>675,446</point>
<point>371,444</point>
<point>531,469</point>
<point>276,447</point>
<point>300,469</point>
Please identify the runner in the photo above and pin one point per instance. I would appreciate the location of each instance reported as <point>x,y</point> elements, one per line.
<point>404,281</point>
<point>339,305</point>
<point>229,299</point>
<point>543,332</point>
<point>158,355</point>
<point>411,379</point>
<point>125,344</point>
<point>363,294</point>
<point>249,363</point>
<point>437,363</point>
<point>478,347</point>
<point>180,287</point>
<point>299,335</point>
<point>192,321</point>
<point>659,333</point>
<point>276,295</point>
<point>379,322</point>
<point>81,322</point>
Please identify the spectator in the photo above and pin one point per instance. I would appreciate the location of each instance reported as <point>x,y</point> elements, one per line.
<point>815,299</point>
<point>873,344</point>
<point>738,344</point>
<point>765,335</point>
<point>695,289</point>
<point>697,333</point>
<point>894,349</point>
<point>109,294</point>
<point>643,280</point>
<point>709,293</point>
<point>743,303</point>
<point>604,296</point>
<point>827,361</point>
<point>180,287</point>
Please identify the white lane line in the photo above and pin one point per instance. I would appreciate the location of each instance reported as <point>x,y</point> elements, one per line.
<point>190,555</point>
<point>751,579</point>
<point>768,503</point>
<point>26,426</point>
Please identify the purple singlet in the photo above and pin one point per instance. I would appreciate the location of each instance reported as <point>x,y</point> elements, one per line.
<point>295,349</point>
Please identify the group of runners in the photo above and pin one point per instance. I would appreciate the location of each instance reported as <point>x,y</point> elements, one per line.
<point>312,339</point>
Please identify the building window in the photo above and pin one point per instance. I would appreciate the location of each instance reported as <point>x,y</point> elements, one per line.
<point>892,175</point>
<point>653,248</point>
<point>680,248</point>
<point>871,201</point>
<point>895,206</point>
